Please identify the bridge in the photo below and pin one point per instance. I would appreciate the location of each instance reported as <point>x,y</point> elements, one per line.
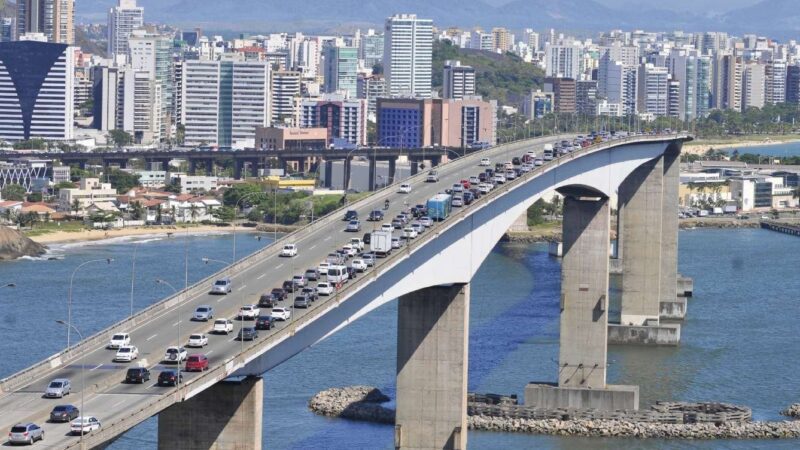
<point>430,277</point>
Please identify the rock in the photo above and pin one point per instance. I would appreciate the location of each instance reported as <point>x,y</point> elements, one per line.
<point>792,411</point>
<point>354,402</point>
<point>14,244</point>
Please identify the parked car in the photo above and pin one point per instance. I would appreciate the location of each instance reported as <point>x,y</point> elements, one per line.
<point>126,353</point>
<point>169,378</point>
<point>312,274</point>
<point>175,355</point>
<point>84,425</point>
<point>359,265</point>
<point>289,251</point>
<point>197,362</point>
<point>58,388</point>
<point>118,340</point>
<point>353,226</point>
<point>375,215</point>
<point>249,312</point>
<point>247,334</point>
<point>223,326</point>
<point>324,288</point>
<point>351,214</point>
<point>137,375</point>
<point>281,313</point>
<point>63,413</point>
<point>264,323</point>
<point>203,312</point>
<point>222,286</point>
<point>25,434</point>
<point>197,340</point>
<point>405,188</point>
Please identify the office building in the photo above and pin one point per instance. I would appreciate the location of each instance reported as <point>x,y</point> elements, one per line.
<point>345,119</point>
<point>122,20</point>
<point>653,87</point>
<point>341,70</point>
<point>37,81</point>
<point>563,61</point>
<point>793,84</point>
<point>285,88</point>
<point>564,94</point>
<point>407,55</point>
<point>371,49</point>
<point>586,97</point>
<point>370,88</point>
<point>538,104</point>
<point>282,138</point>
<point>458,81</point>
<point>52,18</point>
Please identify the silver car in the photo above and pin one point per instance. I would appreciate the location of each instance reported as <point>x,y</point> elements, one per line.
<point>25,434</point>
<point>203,313</point>
<point>58,388</point>
<point>222,286</point>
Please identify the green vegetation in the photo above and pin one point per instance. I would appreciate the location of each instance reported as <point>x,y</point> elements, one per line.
<point>771,119</point>
<point>122,181</point>
<point>120,138</point>
<point>542,212</point>
<point>13,192</point>
<point>505,78</point>
<point>51,227</point>
<point>31,144</point>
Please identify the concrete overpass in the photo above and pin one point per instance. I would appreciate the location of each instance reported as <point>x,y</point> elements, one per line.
<point>430,277</point>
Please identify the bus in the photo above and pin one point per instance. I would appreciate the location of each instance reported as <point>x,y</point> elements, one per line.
<point>439,206</point>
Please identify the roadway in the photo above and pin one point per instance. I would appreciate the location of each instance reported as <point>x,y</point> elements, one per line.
<point>107,398</point>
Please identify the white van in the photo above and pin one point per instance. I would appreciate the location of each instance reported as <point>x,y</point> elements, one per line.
<point>337,274</point>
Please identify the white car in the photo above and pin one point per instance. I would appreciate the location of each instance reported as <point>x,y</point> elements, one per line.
<point>409,233</point>
<point>538,162</point>
<point>357,243</point>
<point>322,268</point>
<point>499,179</point>
<point>197,340</point>
<point>359,264</point>
<point>405,188</point>
<point>387,227</point>
<point>281,313</point>
<point>249,312</point>
<point>484,188</point>
<point>396,242</point>
<point>474,180</point>
<point>324,288</point>
<point>289,250</point>
<point>84,425</point>
<point>349,250</point>
<point>175,355</point>
<point>457,188</point>
<point>510,175</point>
<point>426,221</point>
<point>485,162</point>
<point>457,202</point>
<point>223,326</point>
<point>126,353</point>
<point>118,340</point>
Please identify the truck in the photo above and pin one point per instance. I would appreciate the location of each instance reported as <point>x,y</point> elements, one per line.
<point>548,152</point>
<point>439,206</point>
<point>380,242</point>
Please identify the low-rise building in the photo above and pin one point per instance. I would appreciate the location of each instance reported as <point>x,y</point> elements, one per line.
<point>276,138</point>
<point>89,190</point>
<point>196,183</point>
<point>152,178</point>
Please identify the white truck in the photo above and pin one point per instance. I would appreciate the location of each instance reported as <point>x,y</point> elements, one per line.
<point>381,243</point>
<point>548,152</point>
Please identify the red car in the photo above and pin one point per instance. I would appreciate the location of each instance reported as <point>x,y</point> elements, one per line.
<point>465,183</point>
<point>198,362</point>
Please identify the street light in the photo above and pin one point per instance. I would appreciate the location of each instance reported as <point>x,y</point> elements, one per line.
<point>207,260</point>
<point>178,343</point>
<point>69,297</point>
<point>83,375</point>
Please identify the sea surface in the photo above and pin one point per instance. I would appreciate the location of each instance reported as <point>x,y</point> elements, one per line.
<point>786,149</point>
<point>739,342</point>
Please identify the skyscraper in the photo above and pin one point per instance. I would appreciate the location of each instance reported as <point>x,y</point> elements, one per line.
<point>653,96</point>
<point>341,70</point>
<point>775,72</point>
<point>458,81</point>
<point>53,18</point>
<point>285,88</point>
<point>563,61</point>
<point>754,83</point>
<point>122,20</point>
<point>152,53</point>
<point>407,55</point>
<point>726,84</point>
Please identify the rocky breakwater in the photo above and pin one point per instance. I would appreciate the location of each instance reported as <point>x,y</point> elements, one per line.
<point>14,244</point>
<point>792,411</point>
<point>354,402</point>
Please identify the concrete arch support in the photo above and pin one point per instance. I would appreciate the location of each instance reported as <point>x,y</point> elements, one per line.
<point>669,227</point>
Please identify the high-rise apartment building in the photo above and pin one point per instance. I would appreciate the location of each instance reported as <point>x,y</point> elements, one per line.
<point>345,119</point>
<point>370,88</point>
<point>152,53</point>
<point>458,81</point>
<point>793,84</point>
<point>7,29</point>
<point>532,39</point>
<point>609,56</point>
<point>754,85</point>
<point>621,87</point>
<point>341,70</point>
<point>407,55</point>
<point>53,18</point>
<point>653,87</point>
<point>726,85</point>
<point>693,71</point>
<point>775,73</point>
<point>563,61</point>
<point>502,40</point>
<point>564,94</point>
<point>586,97</point>
<point>285,88</point>
<point>122,20</point>
<point>138,106</point>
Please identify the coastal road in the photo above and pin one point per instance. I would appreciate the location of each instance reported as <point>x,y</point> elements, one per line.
<point>107,398</point>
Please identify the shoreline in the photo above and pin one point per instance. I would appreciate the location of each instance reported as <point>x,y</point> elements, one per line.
<point>69,237</point>
<point>700,147</point>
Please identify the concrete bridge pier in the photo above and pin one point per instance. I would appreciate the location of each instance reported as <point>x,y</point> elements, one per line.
<point>583,349</point>
<point>328,173</point>
<point>432,361</point>
<point>392,170</point>
<point>346,174</point>
<point>226,416</point>
<point>373,167</point>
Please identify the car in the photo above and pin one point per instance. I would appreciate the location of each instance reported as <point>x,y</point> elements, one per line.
<point>264,322</point>
<point>457,201</point>
<point>299,280</point>
<point>516,161</point>
<point>354,226</point>
<point>397,224</point>
<point>387,227</point>
<point>222,326</point>
<point>474,180</point>
<point>369,258</point>
<point>482,177</point>
<point>508,165</point>
<point>357,243</point>
<point>538,162</point>
<point>405,188</point>
<point>351,214</point>
<point>25,434</point>
<point>465,183</point>
<point>267,300</point>
<point>289,251</point>
<point>350,251</point>
<point>311,293</point>
<point>196,362</point>
<point>58,388</point>
<point>63,413</point>
<point>312,274</point>
<point>426,221</point>
<point>396,242</point>
<point>510,175</point>
<point>169,378</point>
<point>324,288</point>
<point>288,286</point>
<point>248,312</point>
<point>247,334</point>
<point>499,179</point>
<point>409,233</point>
<point>222,286</point>
<point>375,215</point>
<point>118,340</point>
<point>476,193</point>
<point>367,238</point>
<point>419,211</point>
<point>302,301</point>
<point>418,227</point>
<point>485,162</point>
<point>197,340</point>
<point>433,177</point>
<point>126,353</point>
<point>322,268</point>
<point>468,198</point>
<point>335,259</point>
<point>175,355</point>
<point>281,313</point>
<point>359,264</point>
<point>484,188</point>
<point>137,375</point>
<point>457,188</point>
<point>203,313</point>
<point>84,425</point>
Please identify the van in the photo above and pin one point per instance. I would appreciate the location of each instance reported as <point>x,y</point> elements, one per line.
<point>337,275</point>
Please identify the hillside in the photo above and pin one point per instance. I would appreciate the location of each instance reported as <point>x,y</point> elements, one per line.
<point>506,78</point>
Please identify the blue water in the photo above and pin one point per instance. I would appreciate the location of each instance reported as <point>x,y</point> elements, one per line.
<point>788,149</point>
<point>739,342</point>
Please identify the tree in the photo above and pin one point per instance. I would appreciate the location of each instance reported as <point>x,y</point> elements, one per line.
<point>224,214</point>
<point>536,213</point>
<point>120,138</point>
<point>232,196</point>
<point>123,181</point>
<point>14,192</point>
<point>173,187</point>
<point>64,185</point>
<point>35,197</point>
<point>137,210</point>
<point>76,206</point>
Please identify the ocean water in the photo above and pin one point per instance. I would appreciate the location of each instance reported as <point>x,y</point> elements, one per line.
<point>739,341</point>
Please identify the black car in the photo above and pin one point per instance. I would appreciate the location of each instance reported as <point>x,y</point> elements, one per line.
<point>264,322</point>
<point>288,286</point>
<point>489,173</point>
<point>312,274</point>
<point>64,413</point>
<point>375,216</point>
<point>350,215</point>
<point>468,197</point>
<point>476,193</point>
<point>351,273</point>
<point>137,375</point>
<point>247,334</point>
<point>302,301</point>
<point>515,161</point>
<point>419,211</point>
<point>279,293</point>
<point>267,300</point>
<point>483,176</point>
<point>367,238</point>
<point>169,378</point>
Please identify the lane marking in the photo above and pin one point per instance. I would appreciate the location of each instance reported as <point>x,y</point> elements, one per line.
<point>220,300</point>
<point>279,266</point>
<point>151,337</point>
<point>95,367</point>
<point>241,288</point>
<point>328,238</point>
<point>117,404</point>
<point>261,276</point>
<point>312,247</point>
<point>177,323</point>
<point>209,352</point>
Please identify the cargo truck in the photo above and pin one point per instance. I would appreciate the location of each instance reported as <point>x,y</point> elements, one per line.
<point>439,206</point>
<point>380,242</point>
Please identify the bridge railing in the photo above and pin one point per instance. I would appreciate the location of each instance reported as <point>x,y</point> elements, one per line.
<point>129,324</point>
<point>253,349</point>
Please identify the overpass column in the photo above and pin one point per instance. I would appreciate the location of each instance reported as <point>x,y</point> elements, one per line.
<point>226,416</point>
<point>192,166</point>
<point>392,175</point>
<point>373,163</point>
<point>432,360</point>
<point>254,168</point>
<point>328,173</point>
<point>346,174</point>
<point>669,228</point>
<point>238,169</point>
<point>209,165</point>
<point>413,164</point>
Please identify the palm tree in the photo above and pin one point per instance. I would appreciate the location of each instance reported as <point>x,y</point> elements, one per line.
<point>76,206</point>
<point>193,211</point>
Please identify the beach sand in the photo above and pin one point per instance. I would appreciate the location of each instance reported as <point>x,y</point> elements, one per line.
<point>59,237</point>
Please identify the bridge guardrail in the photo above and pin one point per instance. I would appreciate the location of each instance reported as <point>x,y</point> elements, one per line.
<point>20,378</point>
<point>253,349</point>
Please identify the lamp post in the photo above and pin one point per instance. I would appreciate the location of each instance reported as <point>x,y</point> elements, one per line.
<point>69,296</point>
<point>83,377</point>
<point>178,343</point>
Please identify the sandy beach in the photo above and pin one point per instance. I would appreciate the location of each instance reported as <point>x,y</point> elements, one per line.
<point>60,237</point>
